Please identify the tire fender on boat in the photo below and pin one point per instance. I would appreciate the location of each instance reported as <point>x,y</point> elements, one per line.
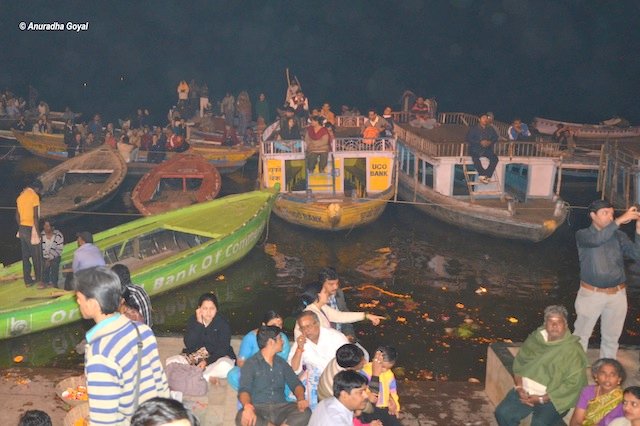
<point>334,210</point>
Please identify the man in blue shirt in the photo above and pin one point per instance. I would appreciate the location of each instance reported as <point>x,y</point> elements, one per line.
<point>87,255</point>
<point>261,390</point>
<point>602,248</point>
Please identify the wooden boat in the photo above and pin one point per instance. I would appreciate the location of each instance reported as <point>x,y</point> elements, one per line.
<point>163,252</point>
<point>82,183</point>
<point>586,131</point>
<point>224,158</point>
<point>352,192</point>
<point>436,174</point>
<point>179,182</point>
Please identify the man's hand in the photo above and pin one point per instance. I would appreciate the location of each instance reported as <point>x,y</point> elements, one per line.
<point>376,423</point>
<point>375,319</point>
<point>485,143</point>
<point>303,404</point>
<point>301,341</point>
<point>199,316</point>
<point>523,395</point>
<point>202,364</point>
<point>628,216</point>
<point>248,416</point>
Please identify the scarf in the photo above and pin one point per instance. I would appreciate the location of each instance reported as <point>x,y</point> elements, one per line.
<point>322,131</point>
<point>600,406</point>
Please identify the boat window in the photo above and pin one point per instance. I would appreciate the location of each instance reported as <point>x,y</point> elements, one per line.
<point>425,173</point>
<point>355,176</point>
<point>516,181</point>
<point>295,175</point>
<point>459,181</point>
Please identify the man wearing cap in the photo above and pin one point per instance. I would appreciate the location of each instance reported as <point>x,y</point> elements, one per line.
<point>602,248</point>
<point>87,255</point>
<point>28,216</point>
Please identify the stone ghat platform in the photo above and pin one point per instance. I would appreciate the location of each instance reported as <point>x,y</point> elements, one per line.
<point>499,377</point>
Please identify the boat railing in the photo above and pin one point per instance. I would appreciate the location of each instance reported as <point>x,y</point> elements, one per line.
<point>350,121</point>
<point>358,144</point>
<point>461,149</point>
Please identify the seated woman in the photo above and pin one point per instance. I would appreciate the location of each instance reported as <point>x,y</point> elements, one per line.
<point>206,329</point>
<point>599,404</point>
<point>315,299</point>
<point>631,404</point>
<point>249,347</point>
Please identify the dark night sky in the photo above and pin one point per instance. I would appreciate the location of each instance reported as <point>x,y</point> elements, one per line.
<point>572,60</point>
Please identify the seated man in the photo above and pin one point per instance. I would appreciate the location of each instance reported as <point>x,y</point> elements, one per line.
<point>549,373</point>
<point>422,115</point>
<point>374,125</point>
<point>313,350</point>
<point>481,139</point>
<point>87,255</point>
<point>262,381</point>
<point>518,131</point>
<point>349,396</point>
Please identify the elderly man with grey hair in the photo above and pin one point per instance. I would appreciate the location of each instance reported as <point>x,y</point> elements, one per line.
<point>549,373</point>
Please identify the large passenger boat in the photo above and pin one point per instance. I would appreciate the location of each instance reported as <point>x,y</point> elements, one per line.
<point>520,202</point>
<point>352,191</point>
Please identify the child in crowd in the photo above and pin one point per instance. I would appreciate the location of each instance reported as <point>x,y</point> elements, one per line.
<point>387,405</point>
<point>35,418</point>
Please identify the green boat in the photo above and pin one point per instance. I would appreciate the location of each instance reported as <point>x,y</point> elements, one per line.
<point>163,252</point>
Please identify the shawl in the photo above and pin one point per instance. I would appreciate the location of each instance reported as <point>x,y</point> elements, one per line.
<point>559,365</point>
<point>600,406</point>
<point>317,141</point>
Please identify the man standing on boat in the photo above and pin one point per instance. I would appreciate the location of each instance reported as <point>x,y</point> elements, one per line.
<point>481,139</point>
<point>602,248</point>
<point>28,216</point>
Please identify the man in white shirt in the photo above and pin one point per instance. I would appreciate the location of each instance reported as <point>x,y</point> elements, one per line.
<point>314,349</point>
<point>349,395</point>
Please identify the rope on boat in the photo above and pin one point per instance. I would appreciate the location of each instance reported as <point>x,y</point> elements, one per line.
<point>381,290</point>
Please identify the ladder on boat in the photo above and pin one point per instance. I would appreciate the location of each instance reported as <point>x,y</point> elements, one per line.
<point>321,173</point>
<point>477,188</point>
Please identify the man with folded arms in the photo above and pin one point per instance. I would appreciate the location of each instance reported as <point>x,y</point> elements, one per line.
<point>602,248</point>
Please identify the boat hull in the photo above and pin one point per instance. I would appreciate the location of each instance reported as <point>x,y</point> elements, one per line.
<point>586,131</point>
<point>56,308</point>
<point>336,214</point>
<point>476,217</point>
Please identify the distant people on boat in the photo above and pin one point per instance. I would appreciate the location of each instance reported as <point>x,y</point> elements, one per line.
<point>388,116</point>
<point>183,93</point>
<point>422,114</point>
<point>142,118</point>
<point>28,217</point>
<point>317,145</point>
<point>43,109</point>
<point>76,146</point>
<point>52,245</point>
<point>262,383</point>
<point>602,248</point>
<point>600,403</point>
<point>68,115</point>
<point>95,127</point>
<point>135,298</point>
<point>518,131</point>
<point>387,406</point>
<point>145,139</point>
<point>42,126</point>
<point>564,136</point>
<point>481,139</point>
<point>263,109</point>
<point>228,108</point>
<point>328,115</point>
<point>157,151</point>
<point>194,95</point>
<point>21,125</point>
<point>549,373</point>
<point>243,109</point>
<point>349,397</point>
<point>490,122</point>
<point>180,128</point>
<point>176,143</point>
<point>208,329</point>
<point>374,126</point>
<point>231,136</point>
<point>110,140</point>
<point>204,99</point>
<point>292,88</point>
<point>126,148</point>
<point>300,105</point>
<point>289,128</point>
<point>86,255</point>
<point>249,346</point>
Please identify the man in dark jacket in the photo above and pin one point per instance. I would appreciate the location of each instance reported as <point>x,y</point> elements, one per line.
<point>481,139</point>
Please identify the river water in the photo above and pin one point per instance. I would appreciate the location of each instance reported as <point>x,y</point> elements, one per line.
<point>446,292</point>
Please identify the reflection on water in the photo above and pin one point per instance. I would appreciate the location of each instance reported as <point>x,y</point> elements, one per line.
<point>446,293</point>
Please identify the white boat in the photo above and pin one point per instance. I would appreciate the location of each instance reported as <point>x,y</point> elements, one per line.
<point>586,131</point>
